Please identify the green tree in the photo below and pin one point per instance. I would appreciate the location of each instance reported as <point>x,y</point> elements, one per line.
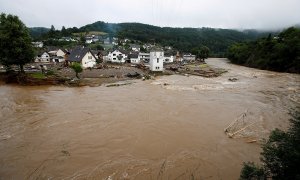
<point>77,68</point>
<point>279,53</point>
<point>64,32</point>
<point>204,52</point>
<point>280,156</point>
<point>15,46</point>
<point>99,47</point>
<point>52,32</point>
<point>82,39</point>
<point>201,52</point>
<point>252,171</point>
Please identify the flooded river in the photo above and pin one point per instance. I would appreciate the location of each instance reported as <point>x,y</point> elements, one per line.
<point>168,128</point>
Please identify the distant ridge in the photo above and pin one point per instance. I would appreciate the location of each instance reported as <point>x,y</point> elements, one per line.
<point>184,39</point>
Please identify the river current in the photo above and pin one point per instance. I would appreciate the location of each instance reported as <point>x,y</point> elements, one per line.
<point>168,128</point>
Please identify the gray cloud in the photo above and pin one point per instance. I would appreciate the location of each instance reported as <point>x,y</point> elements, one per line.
<point>238,14</point>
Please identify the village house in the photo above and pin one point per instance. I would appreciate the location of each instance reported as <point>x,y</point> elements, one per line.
<point>135,47</point>
<point>168,58</point>
<point>189,57</point>
<point>58,59</point>
<point>57,54</point>
<point>38,44</point>
<point>144,57</point>
<point>84,56</point>
<point>88,40</point>
<point>156,60</point>
<point>43,58</point>
<point>107,41</point>
<point>67,39</point>
<point>117,56</point>
<point>134,58</point>
<point>102,56</point>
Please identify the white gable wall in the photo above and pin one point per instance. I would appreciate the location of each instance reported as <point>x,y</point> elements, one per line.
<point>60,53</point>
<point>88,60</point>
<point>114,57</point>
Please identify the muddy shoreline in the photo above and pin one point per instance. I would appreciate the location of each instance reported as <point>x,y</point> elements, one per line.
<point>111,74</point>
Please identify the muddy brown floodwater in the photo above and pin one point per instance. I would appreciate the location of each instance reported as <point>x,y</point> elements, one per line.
<point>168,128</point>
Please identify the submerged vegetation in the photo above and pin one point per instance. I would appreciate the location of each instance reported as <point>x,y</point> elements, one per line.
<point>279,53</point>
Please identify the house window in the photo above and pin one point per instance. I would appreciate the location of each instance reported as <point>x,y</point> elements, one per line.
<point>90,57</point>
<point>114,54</point>
<point>114,58</point>
<point>157,60</point>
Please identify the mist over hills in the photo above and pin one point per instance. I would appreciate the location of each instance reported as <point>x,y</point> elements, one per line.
<point>183,39</point>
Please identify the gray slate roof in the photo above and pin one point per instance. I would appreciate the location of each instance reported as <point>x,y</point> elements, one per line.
<point>78,53</point>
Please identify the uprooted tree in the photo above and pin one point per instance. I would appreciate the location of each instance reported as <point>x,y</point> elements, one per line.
<point>15,42</point>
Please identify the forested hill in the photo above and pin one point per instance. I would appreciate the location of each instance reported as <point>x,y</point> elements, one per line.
<point>183,39</point>
<point>38,31</point>
<point>277,53</point>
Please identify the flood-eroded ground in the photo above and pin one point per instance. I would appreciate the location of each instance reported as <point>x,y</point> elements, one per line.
<point>169,128</point>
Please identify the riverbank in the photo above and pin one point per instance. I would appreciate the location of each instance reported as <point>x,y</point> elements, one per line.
<point>57,75</point>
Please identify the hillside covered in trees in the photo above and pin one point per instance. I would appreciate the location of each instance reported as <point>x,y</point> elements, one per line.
<point>183,39</point>
<point>279,53</point>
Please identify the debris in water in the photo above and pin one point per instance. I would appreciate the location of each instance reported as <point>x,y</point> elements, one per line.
<point>233,79</point>
<point>66,153</point>
<point>239,126</point>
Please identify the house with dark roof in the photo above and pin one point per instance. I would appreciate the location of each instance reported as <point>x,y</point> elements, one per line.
<point>84,56</point>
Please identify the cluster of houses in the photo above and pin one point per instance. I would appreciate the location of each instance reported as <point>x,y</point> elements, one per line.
<point>88,58</point>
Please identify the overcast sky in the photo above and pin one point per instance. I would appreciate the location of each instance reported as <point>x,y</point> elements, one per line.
<point>237,14</point>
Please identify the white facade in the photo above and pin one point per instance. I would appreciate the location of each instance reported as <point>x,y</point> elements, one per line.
<point>144,57</point>
<point>38,44</point>
<point>116,57</point>
<point>134,60</point>
<point>156,60</point>
<point>189,57</point>
<point>88,41</point>
<point>45,57</point>
<point>88,60</point>
<point>60,53</point>
<point>58,59</point>
<point>168,59</point>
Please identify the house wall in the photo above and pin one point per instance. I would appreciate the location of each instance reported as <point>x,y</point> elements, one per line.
<point>88,60</point>
<point>135,60</point>
<point>58,59</point>
<point>189,57</point>
<point>156,61</point>
<point>60,53</point>
<point>45,58</point>
<point>169,59</point>
<point>113,57</point>
<point>144,57</point>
